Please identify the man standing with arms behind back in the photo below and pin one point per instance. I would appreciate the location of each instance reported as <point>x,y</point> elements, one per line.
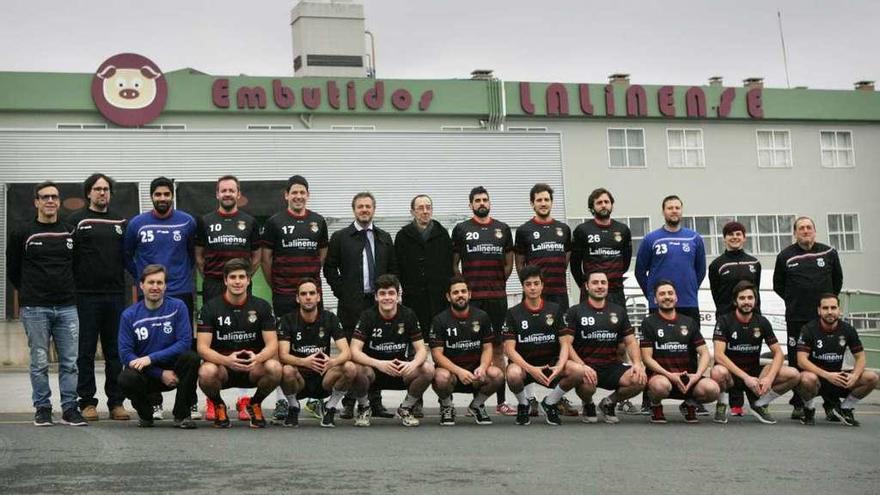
<point>803,272</point>
<point>99,269</point>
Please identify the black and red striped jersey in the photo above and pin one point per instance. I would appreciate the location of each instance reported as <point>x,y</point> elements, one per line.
<point>236,327</point>
<point>545,244</point>
<point>295,242</point>
<point>827,348</point>
<point>744,339</point>
<point>598,331</point>
<point>536,333</point>
<point>482,249</point>
<point>606,249</point>
<point>308,338</point>
<point>225,236</point>
<point>462,339</point>
<point>675,342</point>
<point>388,339</point>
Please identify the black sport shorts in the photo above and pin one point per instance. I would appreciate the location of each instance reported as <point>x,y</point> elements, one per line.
<point>739,384</point>
<point>237,379</point>
<point>676,394</point>
<point>497,310</point>
<point>387,382</point>
<point>314,385</point>
<point>609,375</point>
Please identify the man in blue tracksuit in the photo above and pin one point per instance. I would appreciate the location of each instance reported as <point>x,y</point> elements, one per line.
<point>155,336</point>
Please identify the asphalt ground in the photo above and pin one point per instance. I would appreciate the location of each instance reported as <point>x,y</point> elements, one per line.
<point>634,456</point>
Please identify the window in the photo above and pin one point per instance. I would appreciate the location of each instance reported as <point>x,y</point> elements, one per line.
<point>844,232</point>
<point>774,149</point>
<point>164,127</point>
<point>352,128</point>
<point>626,148</point>
<point>638,227</point>
<point>526,129</point>
<point>836,148</point>
<point>67,127</point>
<point>765,234</point>
<point>685,148</point>
<point>461,128</point>
<point>264,127</point>
<point>706,227</point>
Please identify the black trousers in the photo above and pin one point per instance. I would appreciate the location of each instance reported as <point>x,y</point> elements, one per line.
<point>139,387</point>
<point>99,320</point>
<point>793,331</point>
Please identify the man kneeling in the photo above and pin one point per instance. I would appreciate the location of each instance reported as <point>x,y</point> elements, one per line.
<point>537,343</point>
<point>304,349</point>
<point>237,339</point>
<point>387,345</point>
<point>461,345</point>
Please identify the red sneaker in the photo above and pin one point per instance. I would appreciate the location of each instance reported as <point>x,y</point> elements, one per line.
<point>736,411</point>
<point>241,406</point>
<point>210,415</point>
<point>505,409</point>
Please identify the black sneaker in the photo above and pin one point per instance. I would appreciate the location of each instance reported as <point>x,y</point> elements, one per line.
<point>646,409</point>
<point>846,416</point>
<point>481,416</point>
<point>380,411</point>
<point>406,416</point>
<point>701,410</point>
<point>280,412</point>
<point>145,423</point>
<point>551,413</point>
<point>690,413</point>
<point>291,420</point>
<point>808,416</point>
<point>798,413</point>
<point>589,413</point>
<point>328,419</point>
<point>43,417</point>
<point>608,410</point>
<point>522,415</point>
<point>418,409</point>
<point>185,423</point>
<point>829,411</point>
<point>347,409</point>
<point>447,415</point>
<point>763,415</point>
<point>533,407</point>
<point>73,417</point>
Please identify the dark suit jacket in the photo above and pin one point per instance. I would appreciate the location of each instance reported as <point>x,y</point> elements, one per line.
<point>425,270</point>
<point>344,267</point>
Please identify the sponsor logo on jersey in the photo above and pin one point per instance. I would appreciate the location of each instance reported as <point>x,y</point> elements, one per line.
<point>252,316</point>
<point>684,329</point>
<point>177,236</point>
<point>618,237</point>
<point>475,326</point>
<point>820,262</point>
<point>119,229</point>
<point>549,319</point>
<point>536,339</point>
<point>613,318</point>
<point>671,346</point>
<point>756,332</point>
<point>499,234</point>
<point>242,225</point>
<point>400,328</point>
<point>313,226</point>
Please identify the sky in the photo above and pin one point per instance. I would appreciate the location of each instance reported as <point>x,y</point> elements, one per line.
<point>830,44</point>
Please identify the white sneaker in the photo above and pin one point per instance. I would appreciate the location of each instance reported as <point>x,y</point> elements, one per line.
<point>194,412</point>
<point>157,412</point>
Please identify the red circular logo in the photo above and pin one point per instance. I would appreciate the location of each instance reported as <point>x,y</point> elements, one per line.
<point>129,90</point>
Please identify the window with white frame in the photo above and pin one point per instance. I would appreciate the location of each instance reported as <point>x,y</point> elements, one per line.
<point>706,226</point>
<point>638,227</point>
<point>685,148</point>
<point>774,148</point>
<point>765,234</point>
<point>364,128</point>
<point>526,129</point>
<point>266,127</point>
<point>69,127</point>
<point>626,148</point>
<point>844,231</point>
<point>836,148</point>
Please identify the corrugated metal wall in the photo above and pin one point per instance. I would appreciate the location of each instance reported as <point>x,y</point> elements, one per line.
<point>393,165</point>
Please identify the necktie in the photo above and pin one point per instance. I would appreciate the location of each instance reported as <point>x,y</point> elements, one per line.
<point>371,261</point>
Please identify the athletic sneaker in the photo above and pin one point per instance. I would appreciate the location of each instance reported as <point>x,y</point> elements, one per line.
<point>447,415</point>
<point>280,412</point>
<point>628,408</point>
<point>808,416</point>
<point>590,415</point>
<point>185,424</point>
<point>701,410</point>
<point>209,410</point>
<point>43,417</point>
<point>380,411</point>
<point>480,414</point>
<point>522,415</point>
<point>347,408</point>
<point>533,407</point>
<point>657,415</point>
<point>798,412</point>
<point>73,417</point>
<point>551,413</point>
<point>608,411</point>
<point>829,411</point>
<point>690,414</point>
<point>418,409</point>
<point>241,406</point>
<point>763,414</point>
<point>194,411</point>
<point>255,411</point>
<point>736,411</point>
<point>845,416</point>
<point>157,412</point>
<point>145,423</point>
<point>506,409</point>
<point>328,419</point>
<point>721,411</point>
<point>406,416</point>
<point>221,419</point>
<point>291,420</point>
<point>565,408</point>
<point>647,409</point>
<point>363,416</point>
<point>315,408</point>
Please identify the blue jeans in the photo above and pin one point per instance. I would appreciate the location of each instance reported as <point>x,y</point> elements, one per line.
<point>61,324</point>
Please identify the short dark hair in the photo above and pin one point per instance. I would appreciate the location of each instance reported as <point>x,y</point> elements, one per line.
<point>43,185</point>
<point>412,202</point>
<point>151,269</point>
<point>388,281</point>
<point>161,181</point>
<point>671,197</point>
<point>307,280</point>
<point>731,227</point>
<point>475,191</point>
<point>456,279</point>
<point>539,188</point>
<point>594,272</point>
<point>90,181</point>
<point>361,195</point>
<point>829,295</point>
<point>236,264</point>
<point>530,271</point>
<point>297,179</point>
<point>229,177</point>
<point>744,285</point>
<point>798,220</point>
<point>661,283</point>
<point>595,195</point>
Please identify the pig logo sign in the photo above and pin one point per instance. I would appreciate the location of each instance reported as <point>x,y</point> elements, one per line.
<point>129,90</point>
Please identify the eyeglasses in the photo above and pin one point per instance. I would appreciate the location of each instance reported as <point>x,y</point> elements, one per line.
<point>101,189</point>
<point>48,197</point>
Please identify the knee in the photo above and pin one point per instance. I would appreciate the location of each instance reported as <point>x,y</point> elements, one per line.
<point>709,390</point>
<point>659,386</point>
<point>514,374</point>
<point>208,372</point>
<point>273,368</point>
<point>809,381</point>
<point>442,379</point>
<point>870,378</point>
<point>426,370</point>
<point>349,370</point>
<point>494,373</point>
<point>719,374</point>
